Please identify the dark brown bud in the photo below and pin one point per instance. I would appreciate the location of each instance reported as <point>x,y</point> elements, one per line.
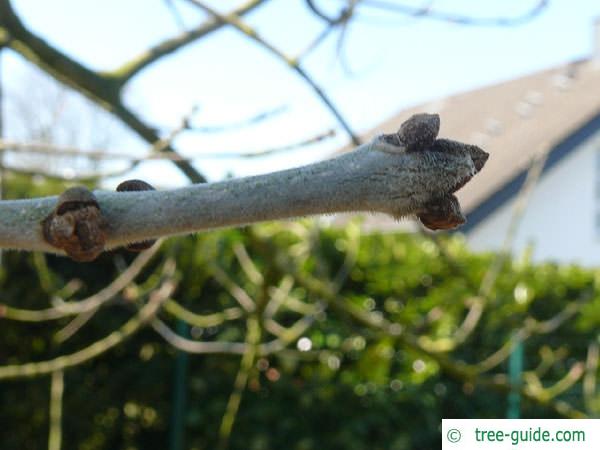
<point>134,185</point>
<point>442,214</point>
<point>137,185</point>
<point>419,132</point>
<point>76,225</point>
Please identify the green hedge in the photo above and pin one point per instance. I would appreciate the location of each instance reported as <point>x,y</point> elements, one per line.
<point>381,386</point>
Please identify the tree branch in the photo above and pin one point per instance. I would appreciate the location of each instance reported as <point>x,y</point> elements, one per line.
<point>236,22</point>
<point>428,13</point>
<point>398,174</point>
<point>145,314</point>
<point>103,89</point>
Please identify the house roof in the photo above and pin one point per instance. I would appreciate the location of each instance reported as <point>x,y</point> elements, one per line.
<point>513,121</point>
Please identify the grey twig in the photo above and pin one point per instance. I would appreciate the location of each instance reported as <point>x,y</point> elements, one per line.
<point>405,173</point>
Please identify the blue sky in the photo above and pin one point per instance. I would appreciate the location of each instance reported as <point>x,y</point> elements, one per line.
<point>395,62</point>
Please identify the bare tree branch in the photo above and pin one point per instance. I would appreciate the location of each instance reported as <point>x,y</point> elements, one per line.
<point>386,175</point>
<point>253,120</point>
<point>253,335</point>
<point>86,305</point>
<point>202,320</point>
<point>590,386</point>
<point>177,17</point>
<point>57,387</point>
<point>343,16</point>
<point>104,89</point>
<point>99,347</point>
<point>428,12</point>
<point>236,22</point>
<point>68,176</point>
<point>150,56</point>
<point>155,154</point>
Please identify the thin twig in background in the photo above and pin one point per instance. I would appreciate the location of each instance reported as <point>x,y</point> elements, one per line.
<point>155,153</point>
<point>57,386</point>
<point>590,389</point>
<point>235,21</point>
<point>247,265</point>
<point>459,369</point>
<point>202,320</point>
<point>430,13</point>
<point>250,121</point>
<point>132,326</point>
<point>177,17</point>
<point>68,175</point>
<point>479,301</point>
<point>151,55</point>
<point>95,155</point>
<point>196,347</point>
<point>253,335</point>
<point>235,290</point>
<point>91,303</point>
<point>315,43</point>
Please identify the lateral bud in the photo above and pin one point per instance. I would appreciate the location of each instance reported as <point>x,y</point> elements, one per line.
<point>76,225</point>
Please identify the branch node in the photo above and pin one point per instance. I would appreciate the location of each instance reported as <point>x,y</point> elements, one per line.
<point>419,132</point>
<point>76,225</point>
<point>416,134</point>
<point>137,185</point>
<point>442,214</point>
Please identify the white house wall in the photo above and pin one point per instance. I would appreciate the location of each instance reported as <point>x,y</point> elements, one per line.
<point>560,221</point>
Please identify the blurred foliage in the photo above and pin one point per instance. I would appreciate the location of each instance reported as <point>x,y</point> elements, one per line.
<point>356,387</point>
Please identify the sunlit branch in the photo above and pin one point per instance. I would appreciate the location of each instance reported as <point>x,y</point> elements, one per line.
<point>566,382</point>
<point>590,377</point>
<point>189,346</point>
<point>529,328</point>
<point>376,177</point>
<point>57,386</point>
<point>235,290</point>
<point>503,352</point>
<point>34,369</point>
<point>289,336</point>
<point>548,358</point>
<point>247,265</point>
<point>70,329</point>
<point>82,318</point>
<point>500,383</point>
<point>202,320</point>
<point>89,304</point>
<point>278,296</point>
<point>459,370</point>
<point>253,335</point>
